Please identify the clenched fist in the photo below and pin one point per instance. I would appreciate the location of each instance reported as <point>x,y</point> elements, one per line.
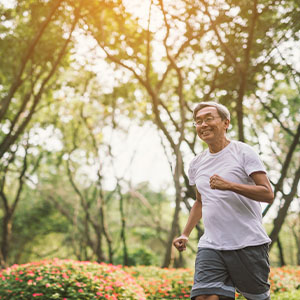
<point>219,183</point>
<point>180,243</point>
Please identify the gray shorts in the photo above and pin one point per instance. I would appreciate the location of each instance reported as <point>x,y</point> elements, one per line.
<point>219,272</point>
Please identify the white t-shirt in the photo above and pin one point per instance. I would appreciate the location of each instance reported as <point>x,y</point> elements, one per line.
<point>231,221</point>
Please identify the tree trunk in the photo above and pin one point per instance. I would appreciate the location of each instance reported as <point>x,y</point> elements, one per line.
<point>285,166</point>
<point>123,229</point>
<point>104,228</point>
<point>278,222</point>
<point>281,256</point>
<point>174,227</point>
<point>239,109</point>
<point>6,237</point>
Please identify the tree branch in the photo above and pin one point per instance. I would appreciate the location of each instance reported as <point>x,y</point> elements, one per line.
<point>17,80</point>
<point>9,140</point>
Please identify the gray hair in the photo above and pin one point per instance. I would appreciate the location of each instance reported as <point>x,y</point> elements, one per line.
<point>222,110</point>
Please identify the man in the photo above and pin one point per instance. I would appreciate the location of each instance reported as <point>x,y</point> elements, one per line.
<point>230,183</point>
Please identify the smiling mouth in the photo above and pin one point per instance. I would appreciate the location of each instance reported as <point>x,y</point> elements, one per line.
<point>205,132</point>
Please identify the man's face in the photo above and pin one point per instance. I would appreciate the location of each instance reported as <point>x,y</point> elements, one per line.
<point>210,127</point>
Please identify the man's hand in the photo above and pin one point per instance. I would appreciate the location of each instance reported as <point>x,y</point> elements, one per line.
<point>180,242</point>
<point>219,183</point>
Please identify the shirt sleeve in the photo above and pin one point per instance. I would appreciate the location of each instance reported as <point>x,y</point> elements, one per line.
<point>191,173</point>
<point>251,161</point>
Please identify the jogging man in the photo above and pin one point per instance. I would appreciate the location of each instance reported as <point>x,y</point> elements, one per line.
<point>231,182</point>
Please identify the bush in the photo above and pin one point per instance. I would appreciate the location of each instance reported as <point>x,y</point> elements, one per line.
<point>139,256</point>
<point>163,283</point>
<point>293,295</point>
<point>68,280</point>
<point>284,279</point>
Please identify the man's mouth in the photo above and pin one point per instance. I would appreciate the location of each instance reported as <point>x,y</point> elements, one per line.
<point>205,132</point>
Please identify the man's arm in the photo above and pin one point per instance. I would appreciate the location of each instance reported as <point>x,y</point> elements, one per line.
<point>194,218</point>
<point>261,191</point>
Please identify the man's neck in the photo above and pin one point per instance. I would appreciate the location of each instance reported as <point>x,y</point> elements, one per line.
<point>218,146</point>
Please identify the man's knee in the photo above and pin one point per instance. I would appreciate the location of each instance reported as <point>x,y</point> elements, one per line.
<point>207,297</point>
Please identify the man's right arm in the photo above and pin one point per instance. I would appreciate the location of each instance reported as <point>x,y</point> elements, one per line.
<point>194,218</point>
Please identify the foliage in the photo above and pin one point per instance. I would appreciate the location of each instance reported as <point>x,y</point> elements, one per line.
<point>232,52</point>
<point>33,225</point>
<point>163,283</point>
<point>67,279</point>
<point>139,256</point>
<point>285,279</point>
<point>70,280</point>
<point>293,295</point>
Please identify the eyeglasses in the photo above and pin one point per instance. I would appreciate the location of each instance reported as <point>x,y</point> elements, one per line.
<point>207,120</point>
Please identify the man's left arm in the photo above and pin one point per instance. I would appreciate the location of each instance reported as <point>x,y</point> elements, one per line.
<point>261,191</point>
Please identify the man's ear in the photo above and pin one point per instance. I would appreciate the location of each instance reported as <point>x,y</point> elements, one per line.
<point>227,122</point>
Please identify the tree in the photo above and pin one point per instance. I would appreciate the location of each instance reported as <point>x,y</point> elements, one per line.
<point>235,52</point>
<point>28,79</point>
<point>238,38</point>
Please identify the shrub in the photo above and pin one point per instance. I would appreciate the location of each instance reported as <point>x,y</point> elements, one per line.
<point>68,280</point>
<point>284,279</point>
<point>163,283</point>
<point>138,256</point>
<point>293,295</point>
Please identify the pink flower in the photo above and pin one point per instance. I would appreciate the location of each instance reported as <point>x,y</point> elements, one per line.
<point>119,283</point>
<point>37,294</point>
<point>80,291</point>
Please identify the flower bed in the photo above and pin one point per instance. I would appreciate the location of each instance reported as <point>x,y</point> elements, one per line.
<point>70,280</point>
<point>66,280</point>
<point>163,283</point>
<point>285,279</point>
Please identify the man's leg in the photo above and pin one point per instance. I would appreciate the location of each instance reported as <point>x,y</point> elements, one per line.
<point>249,269</point>
<point>211,278</point>
<point>207,297</point>
<point>213,297</point>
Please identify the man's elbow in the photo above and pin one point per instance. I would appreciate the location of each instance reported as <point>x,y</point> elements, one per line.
<point>270,197</point>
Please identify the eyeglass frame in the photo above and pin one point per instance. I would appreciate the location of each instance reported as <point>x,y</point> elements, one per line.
<point>207,120</point>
